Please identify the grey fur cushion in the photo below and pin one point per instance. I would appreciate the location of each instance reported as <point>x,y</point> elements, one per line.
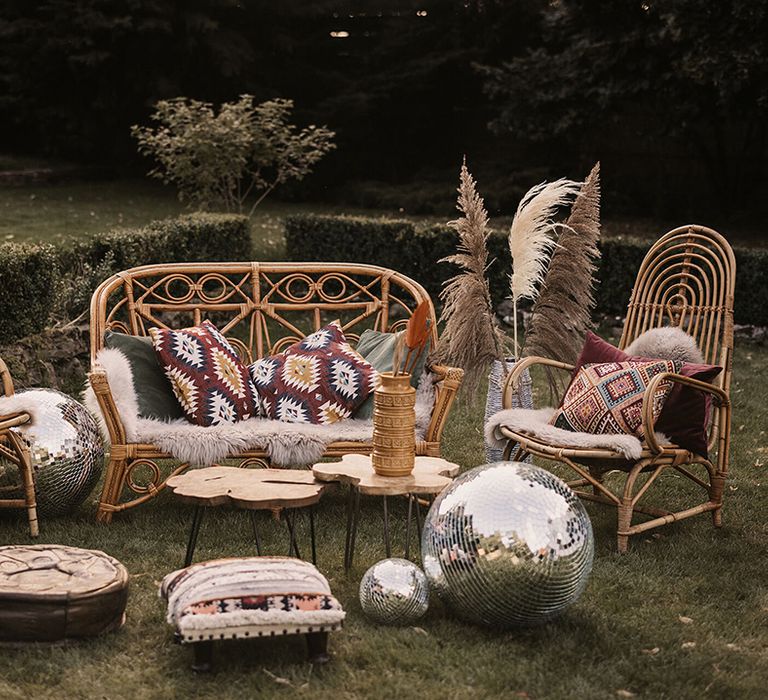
<point>668,343</point>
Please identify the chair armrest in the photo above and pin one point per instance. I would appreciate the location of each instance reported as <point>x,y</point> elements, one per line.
<point>520,366</point>
<point>100,385</point>
<point>448,380</point>
<point>14,420</point>
<point>6,381</point>
<point>719,396</point>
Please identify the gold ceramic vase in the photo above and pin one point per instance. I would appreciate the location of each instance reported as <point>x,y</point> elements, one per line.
<point>394,422</point>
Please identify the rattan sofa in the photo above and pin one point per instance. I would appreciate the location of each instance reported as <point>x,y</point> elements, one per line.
<point>262,308</point>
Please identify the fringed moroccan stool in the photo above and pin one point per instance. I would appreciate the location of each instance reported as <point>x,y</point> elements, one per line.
<point>247,598</point>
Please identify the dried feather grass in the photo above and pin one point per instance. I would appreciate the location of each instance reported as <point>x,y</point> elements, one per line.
<point>471,338</point>
<point>563,312</point>
<point>530,238</point>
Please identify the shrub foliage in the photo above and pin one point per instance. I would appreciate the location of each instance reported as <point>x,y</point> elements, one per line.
<point>221,160</point>
<point>43,284</point>
<point>414,250</point>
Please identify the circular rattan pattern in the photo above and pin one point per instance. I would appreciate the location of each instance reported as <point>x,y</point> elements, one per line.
<point>507,544</point>
<point>53,592</point>
<point>394,592</point>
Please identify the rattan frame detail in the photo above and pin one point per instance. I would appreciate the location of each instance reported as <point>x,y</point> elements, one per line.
<point>255,299</point>
<point>14,449</point>
<point>687,280</point>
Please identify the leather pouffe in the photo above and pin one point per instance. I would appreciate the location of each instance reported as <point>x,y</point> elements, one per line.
<point>51,592</point>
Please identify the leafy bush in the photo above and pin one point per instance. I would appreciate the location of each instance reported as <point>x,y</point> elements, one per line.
<point>27,289</point>
<point>40,284</point>
<point>414,250</point>
<point>190,238</point>
<point>220,160</point>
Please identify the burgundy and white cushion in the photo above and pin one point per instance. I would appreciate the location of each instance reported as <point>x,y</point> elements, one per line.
<point>207,377</point>
<point>320,379</point>
<point>608,397</point>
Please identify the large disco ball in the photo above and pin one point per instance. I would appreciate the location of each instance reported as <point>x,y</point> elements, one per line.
<point>394,592</point>
<point>507,544</point>
<point>66,449</point>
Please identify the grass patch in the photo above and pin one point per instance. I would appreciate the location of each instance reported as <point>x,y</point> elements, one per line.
<point>625,633</point>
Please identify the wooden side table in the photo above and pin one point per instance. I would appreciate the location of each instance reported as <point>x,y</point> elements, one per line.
<point>249,489</point>
<point>429,477</point>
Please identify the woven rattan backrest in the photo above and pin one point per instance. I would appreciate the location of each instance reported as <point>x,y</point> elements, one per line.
<point>687,280</point>
<point>261,307</point>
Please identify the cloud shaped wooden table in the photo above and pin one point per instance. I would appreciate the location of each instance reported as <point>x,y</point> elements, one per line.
<point>279,490</point>
<point>429,477</point>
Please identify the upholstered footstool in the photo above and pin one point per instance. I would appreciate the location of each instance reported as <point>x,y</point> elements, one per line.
<point>252,597</point>
<point>49,593</point>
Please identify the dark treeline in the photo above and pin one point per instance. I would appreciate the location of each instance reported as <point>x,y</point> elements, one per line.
<point>671,96</point>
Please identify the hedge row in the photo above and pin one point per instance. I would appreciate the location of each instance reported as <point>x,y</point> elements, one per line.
<point>41,283</point>
<point>415,250</point>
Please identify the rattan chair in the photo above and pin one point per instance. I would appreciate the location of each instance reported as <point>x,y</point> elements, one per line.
<point>686,280</point>
<point>14,449</point>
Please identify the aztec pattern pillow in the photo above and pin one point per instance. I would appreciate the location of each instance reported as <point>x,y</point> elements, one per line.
<point>608,398</point>
<point>320,379</point>
<point>211,384</point>
<point>685,416</point>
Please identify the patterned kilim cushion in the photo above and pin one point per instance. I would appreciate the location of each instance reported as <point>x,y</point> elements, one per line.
<point>211,384</point>
<point>320,379</point>
<point>608,398</point>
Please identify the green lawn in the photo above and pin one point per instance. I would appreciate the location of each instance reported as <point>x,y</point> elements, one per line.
<point>71,209</point>
<point>624,638</point>
<point>53,213</point>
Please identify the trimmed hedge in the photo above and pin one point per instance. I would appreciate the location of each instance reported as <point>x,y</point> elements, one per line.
<point>27,288</point>
<point>42,283</point>
<point>414,250</point>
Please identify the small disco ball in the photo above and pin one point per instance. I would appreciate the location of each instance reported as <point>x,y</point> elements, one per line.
<point>394,592</point>
<point>66,449</point>
<point>507,544</point>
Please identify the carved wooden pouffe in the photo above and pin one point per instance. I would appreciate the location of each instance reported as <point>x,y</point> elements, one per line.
<point>50,592</point>
<point>250,598</point>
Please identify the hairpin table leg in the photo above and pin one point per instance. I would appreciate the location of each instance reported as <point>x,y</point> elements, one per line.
<point>387,546</point>
<point>355,510</point>
<point>290,522</point>
<point>255,532</point>
<point>408,527</point>
<point>197,518</point>
<point>312,534</point>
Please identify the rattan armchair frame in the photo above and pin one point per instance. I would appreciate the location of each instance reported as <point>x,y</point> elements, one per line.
<point>14,449</point>
<point>262,308</point>
<point>686,280</point>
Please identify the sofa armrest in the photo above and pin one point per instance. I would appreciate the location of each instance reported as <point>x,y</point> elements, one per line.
<point>100,385</point>
<point>447,383</point>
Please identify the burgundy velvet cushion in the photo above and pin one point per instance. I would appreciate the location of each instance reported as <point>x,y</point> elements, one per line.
<point>685,416</point>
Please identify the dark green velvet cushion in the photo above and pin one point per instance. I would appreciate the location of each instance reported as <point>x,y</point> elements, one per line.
<point>153,390</point>
<point>379,349</point>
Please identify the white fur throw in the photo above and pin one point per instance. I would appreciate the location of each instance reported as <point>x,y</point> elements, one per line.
<point>669,343</point>
<point>286,444</point>
<point>535,422</point>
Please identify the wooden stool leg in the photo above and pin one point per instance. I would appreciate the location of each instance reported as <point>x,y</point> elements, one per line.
<point>317,646</point>
<point>203,662</point>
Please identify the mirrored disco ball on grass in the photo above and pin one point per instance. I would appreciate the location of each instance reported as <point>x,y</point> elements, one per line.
<point>507,544</point>
<point>394,592</point>
<point>66,449</point>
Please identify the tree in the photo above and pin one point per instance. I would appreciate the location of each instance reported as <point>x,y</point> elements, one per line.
<point>219,160</point>
<point>688,72</point>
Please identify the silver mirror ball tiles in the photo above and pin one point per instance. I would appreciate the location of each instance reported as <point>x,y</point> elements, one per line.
<point>66,448</point>
<point>507,544</point>
<point>394,592</point>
